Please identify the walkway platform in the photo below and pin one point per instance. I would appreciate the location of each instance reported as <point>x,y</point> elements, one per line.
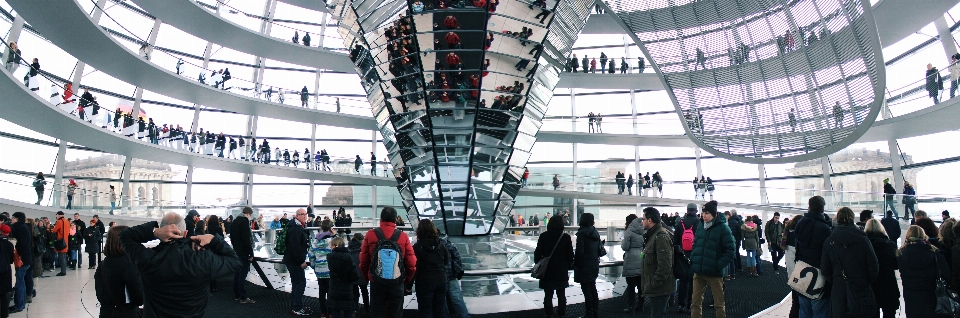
<point>25,108</point>
<point>105,53</point>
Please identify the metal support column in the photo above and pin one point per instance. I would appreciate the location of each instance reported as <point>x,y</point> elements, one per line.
<point>827,184</point>
<point>313,145</point>
<point>696,152</point>
<point>373,192</point>
<point>188,200</point>
<point>125,188</point>
<point>13,35</point>
<point>896,162</point>
<point>763,184</point>
<point>946,38</point>
<point>58,176</point>
<point>573,128</point>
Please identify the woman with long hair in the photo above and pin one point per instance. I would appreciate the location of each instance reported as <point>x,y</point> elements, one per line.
<point>885,288</point>
<point>848,261</point>
<point>917,259</point>
<point>431,276</point>
<point>117,281</point>
<point>558,246</point>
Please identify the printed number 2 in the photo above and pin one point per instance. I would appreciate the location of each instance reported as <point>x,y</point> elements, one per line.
<point>811,290</point>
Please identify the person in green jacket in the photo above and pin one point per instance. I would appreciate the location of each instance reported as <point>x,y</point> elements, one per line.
<point>713,250</point>
<point>773,230</point>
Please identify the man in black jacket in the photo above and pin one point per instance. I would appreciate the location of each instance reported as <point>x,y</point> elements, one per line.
<point>295,258</point>
<point>891,226</point>
<point>177,272</point>
<point>242,240</point>
<point>21,232</point>
<point>81,226</point>
<point>888,197</point>
<point>812,230</point>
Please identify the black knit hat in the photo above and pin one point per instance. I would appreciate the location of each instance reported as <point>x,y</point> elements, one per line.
<point>711,207</point>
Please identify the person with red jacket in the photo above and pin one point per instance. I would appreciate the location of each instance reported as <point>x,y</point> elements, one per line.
<point>452,59</point>
<point>452,39</point>
<point>390,298</point>
<point>526,175</point>
<point>451,22</point>
<point>62,232</point>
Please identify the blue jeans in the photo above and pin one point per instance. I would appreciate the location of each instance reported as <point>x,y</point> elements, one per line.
<point>814,308</point>
<point>431,299</point>
<point>890,205</point>
<point>298,283</point>
<point>751,258</point>
<point>455,302</point>
<point>24,282</point>
<point>113,205</point>
<point>909,210</point>
<point>240,279</point>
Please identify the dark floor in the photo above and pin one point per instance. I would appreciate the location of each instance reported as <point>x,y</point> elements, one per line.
<point>745,296</point>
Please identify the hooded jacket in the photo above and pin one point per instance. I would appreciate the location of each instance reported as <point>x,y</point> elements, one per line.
<point>632,246</point>
<point>428,272</point>
<point>848,258</point>
<point>713,248</point>
<point>176,279</point>
<point>343,273</point>
<point>657,278</point>
<point>586,259</point>
<point>354,247</point>
<point>751,238</point>
<point>811,232</point>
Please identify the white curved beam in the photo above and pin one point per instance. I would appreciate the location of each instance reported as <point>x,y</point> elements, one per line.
<point>70,28</point>
<point>188,16</point>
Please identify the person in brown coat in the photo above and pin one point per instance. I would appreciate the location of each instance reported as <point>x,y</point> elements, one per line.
<point>62,232</point>
<point>656,280</point>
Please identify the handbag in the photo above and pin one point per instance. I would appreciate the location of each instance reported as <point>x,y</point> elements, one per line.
<point>860,300</point>
<point>17,261</point>
<point>59,244</point>
<point>806,280</point>
<point>540,268</point>
<point>946,299</point>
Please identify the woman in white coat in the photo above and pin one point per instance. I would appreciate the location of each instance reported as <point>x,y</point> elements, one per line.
<point>632,247</point>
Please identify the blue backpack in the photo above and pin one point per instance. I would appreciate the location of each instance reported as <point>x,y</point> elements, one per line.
<point>387,265</point>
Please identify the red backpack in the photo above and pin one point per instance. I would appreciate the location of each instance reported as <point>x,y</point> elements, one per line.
<point>686,239</point>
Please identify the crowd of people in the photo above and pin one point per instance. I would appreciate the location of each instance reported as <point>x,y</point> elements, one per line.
<point>606,65</point>
<point>856,258</point>
<point>643,183</point>
<point>354,270</point>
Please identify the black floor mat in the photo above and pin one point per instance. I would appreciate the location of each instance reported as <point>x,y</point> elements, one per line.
<point>744,296</point>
